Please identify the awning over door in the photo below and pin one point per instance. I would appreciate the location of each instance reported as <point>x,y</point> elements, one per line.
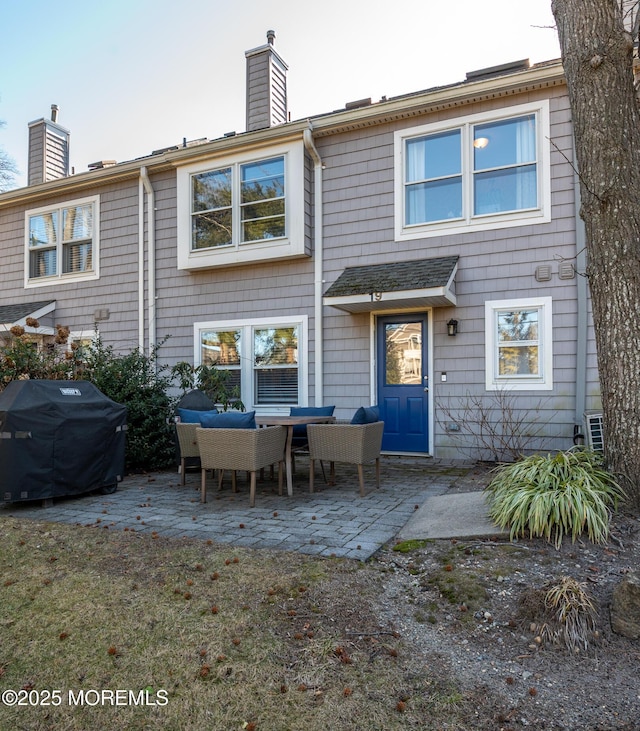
<point>407,285</point>
<point>11,315</point>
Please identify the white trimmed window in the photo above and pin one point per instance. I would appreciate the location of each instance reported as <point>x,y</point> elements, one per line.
<point>519,344</point>
<point>241,209</point>
<point>267,359</point>
<point>473,173</point>
<point>62,243</point>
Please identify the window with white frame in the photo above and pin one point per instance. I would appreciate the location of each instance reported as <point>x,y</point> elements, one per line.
<point>62,242</point>
<point>519,344</point>
<point>242,208</point>
<point>266,358</point>
<point>477,172</point>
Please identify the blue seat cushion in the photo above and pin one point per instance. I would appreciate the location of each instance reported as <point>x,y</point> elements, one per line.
<point>192,416</point>
<point>366,415</point>
<point>230,420</point>
<point>300,430</point>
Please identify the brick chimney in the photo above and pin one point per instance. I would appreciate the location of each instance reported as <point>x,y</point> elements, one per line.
<point>48,150</point>
<point>266,87</point>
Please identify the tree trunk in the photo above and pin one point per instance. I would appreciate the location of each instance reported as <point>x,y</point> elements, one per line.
<point>597,55</point>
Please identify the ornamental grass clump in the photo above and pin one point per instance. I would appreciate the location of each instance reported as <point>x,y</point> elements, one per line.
<point>552,496</point>
<point>574,614</point>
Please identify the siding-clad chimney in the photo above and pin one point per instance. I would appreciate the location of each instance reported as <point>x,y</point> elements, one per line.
<point>48,150</point>
<point>266,87</point>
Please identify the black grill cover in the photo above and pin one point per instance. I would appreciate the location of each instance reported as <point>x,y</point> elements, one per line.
<point>59,438</point>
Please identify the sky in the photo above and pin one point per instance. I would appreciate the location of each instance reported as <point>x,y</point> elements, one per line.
<point>133,76</point>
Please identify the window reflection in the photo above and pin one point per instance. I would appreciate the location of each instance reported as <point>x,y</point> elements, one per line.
<point>403,342</point>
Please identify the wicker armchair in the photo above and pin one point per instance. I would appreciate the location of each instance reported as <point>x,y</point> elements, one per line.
<point>351,443</point>
<point>188,446</point>
<point>241,449</point>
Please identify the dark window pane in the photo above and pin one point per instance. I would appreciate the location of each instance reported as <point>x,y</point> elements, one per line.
<point>77,258</point>
<point>269,228</point>
<point>276,386</point>
<point>42,263</point>
<point>212,229</point>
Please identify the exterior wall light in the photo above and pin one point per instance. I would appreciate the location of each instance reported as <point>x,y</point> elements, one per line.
<point>452,327</point>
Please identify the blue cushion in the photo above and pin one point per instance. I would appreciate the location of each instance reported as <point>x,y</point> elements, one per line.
<point>312,411</point>
<point>300,430</point>
<point>230,420</point>
<point>191,416</point>
<point>366,415</point>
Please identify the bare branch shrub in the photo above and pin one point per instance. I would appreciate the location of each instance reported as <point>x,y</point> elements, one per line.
<point>492,428</point>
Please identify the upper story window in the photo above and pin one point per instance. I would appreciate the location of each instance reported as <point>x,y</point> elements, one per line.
<point>261,204</point>
<point>473,173</point>
<point>519,344</point>
<point>242,210</point>
<point>62,242</point>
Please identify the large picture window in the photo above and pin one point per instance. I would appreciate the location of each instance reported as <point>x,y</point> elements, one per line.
<point>266,359</point>
<point>242,209</point>
<point>473,173</point>
<point>62,242</point>
<point>519,344</point>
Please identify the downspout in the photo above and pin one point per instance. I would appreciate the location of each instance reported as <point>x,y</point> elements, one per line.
<point>307,137</point>
<point>144,176</point>
<point>581,334</point>
<point>141,264</point>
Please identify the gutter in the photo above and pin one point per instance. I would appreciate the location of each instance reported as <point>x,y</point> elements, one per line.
<point>318,254</point>
<point>146,183</point>
<point>400,107</point>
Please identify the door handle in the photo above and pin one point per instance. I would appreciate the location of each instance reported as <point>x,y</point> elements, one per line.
<point>426,389</point>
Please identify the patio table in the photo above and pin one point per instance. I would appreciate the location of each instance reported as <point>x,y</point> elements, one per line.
<point>290,422</point>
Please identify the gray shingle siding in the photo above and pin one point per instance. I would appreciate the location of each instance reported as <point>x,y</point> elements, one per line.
<point>358,231</point>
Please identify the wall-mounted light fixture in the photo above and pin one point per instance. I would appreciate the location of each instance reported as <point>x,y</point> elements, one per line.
<point>452,327</point>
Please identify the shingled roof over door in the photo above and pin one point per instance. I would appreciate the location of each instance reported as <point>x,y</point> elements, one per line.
<point>405,285</point>
<point>16,314</point>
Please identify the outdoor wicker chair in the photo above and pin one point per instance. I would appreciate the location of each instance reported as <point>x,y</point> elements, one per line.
<point>241,449</point>
<point>188,446</point>
<point>351,443</point>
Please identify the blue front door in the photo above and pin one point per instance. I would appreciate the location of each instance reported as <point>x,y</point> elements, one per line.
<point>403,394</point>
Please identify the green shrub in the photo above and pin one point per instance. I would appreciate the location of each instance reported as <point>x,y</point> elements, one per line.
<point>134,379</point>
<point>555,495</point>
<point>212,381</point>
<point>141,384</point>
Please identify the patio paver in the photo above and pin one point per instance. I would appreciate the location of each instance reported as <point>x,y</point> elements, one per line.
<point>333,521</point>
